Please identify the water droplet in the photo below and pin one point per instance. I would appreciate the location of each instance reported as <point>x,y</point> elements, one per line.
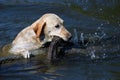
<point>75,36</point>
<point>92,54</point>
<point>95,33</point>
<point>101,24</point>
<point>99,28</point>
<point>82,38</point>
<point>100,9</point>
<point>104,56</point>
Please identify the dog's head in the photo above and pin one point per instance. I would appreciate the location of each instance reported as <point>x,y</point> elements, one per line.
<point>52,25</point>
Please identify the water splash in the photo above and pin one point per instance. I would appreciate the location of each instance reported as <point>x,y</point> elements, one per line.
<point>100,34</point>
<point>92,54</point>
<point>82,38</point>
<point>104,56</point>
<point>75,39</point>
<point>98,45</point>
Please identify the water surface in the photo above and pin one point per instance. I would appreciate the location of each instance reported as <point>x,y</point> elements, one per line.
<point>102,60</point>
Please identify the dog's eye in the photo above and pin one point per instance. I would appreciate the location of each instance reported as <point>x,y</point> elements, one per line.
<point>57,26</point>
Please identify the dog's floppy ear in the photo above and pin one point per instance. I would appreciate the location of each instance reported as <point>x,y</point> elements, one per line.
<point>38,27</point>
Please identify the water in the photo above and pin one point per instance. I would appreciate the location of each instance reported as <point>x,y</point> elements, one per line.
<point>102,52</point>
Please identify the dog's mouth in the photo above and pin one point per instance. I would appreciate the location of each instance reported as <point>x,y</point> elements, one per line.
<point>64,38</point>
<point>52,52</point>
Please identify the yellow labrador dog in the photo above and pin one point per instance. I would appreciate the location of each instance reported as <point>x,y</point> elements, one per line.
<point>29,38</point>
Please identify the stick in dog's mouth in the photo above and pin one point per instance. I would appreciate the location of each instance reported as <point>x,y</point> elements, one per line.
<point>52,51</point>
